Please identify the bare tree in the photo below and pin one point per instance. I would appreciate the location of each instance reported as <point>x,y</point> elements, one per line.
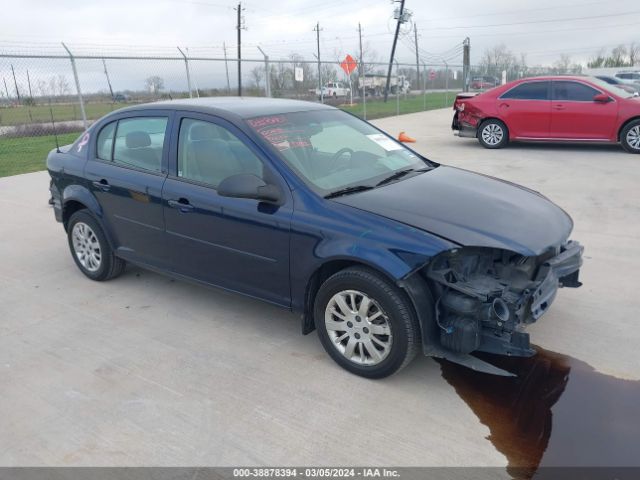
<point>41,88</point>
<point>62,85</point>
<point>619,56</point>
<point>154,84</point>
<point>563,64</point>
<point>328,73</point>
<point>498,58</point>
<point>257,75</point>
<point>280,76</point>
<point>634,54</point>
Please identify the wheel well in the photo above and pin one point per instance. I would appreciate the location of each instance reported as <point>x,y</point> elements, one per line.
<point>69,208</point>
<point>316,280</point>
<point>491,118</point>
<point>622,127</point>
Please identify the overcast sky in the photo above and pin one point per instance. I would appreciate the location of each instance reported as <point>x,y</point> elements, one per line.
<point>543,29</point>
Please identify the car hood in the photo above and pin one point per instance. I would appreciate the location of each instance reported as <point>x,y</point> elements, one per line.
<point>470,209</point>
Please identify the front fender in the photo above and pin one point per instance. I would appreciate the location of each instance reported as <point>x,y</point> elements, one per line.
<point>350,235</point>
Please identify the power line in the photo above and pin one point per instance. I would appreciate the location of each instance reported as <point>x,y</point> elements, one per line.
<point>555,20</point>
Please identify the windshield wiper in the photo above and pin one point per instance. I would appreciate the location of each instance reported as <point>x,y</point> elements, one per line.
<point>348,190</point>
<point>400,174</point>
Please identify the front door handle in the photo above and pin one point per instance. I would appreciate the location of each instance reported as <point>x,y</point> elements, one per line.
<point>183,205</point>
<point>102,185</point>
<point>559,107</point>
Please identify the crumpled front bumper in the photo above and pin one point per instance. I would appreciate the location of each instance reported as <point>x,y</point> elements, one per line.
<point>559,271</point>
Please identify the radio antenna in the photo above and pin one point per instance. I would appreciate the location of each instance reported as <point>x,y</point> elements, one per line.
<point>53,123</point>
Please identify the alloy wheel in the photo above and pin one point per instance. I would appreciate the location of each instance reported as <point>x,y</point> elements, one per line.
<point>86,246</point>
<point>358,327</point>
<point>492,134</point>
<point>633,137</point>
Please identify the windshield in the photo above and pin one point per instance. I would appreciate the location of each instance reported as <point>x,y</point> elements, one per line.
<point>332,150</point>
<point>615,89</point>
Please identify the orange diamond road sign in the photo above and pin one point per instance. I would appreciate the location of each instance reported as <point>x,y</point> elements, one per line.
<point>348,64</point>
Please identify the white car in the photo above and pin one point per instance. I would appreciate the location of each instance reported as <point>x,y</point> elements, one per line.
<point>334,89</point>
<point>632,78</point>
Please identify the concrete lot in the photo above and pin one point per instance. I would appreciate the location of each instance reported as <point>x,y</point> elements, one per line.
<point>144,370</point>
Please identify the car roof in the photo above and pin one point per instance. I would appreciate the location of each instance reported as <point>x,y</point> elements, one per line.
<point>556,77</point>
<point>243,107</point>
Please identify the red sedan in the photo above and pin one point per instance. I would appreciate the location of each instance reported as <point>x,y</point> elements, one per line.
<point>555,109</point>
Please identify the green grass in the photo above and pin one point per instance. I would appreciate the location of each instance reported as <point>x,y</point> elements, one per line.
<point>28,154</point>
<point>410,104</point>
<point>41,113</point>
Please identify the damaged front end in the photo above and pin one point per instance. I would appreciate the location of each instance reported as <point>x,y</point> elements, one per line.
<point>485,297</point>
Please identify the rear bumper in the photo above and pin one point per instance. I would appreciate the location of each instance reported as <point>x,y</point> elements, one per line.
<point>57,201</point>
<point>463,129</point>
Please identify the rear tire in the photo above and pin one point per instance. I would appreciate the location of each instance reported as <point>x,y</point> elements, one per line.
<point>630,137</point>
<point>90,249</point>
<point>366,323</point>
<point>493,134</point>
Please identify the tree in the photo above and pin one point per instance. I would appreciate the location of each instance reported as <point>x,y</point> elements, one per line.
<point>634,54</point>
<point>328,73</point>
<point>280,76</point>
<point>257,75</point>
<point>41,88</point>
<point>498,58</point>
<point>563,64</point>
<point>154,84</point>
<point>619,56</point>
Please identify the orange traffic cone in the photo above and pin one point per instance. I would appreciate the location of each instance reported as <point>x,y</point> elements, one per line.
<point>402,137</point>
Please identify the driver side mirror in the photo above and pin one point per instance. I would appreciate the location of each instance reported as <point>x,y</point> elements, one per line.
<point>601,98</point>
<point>245,185</point>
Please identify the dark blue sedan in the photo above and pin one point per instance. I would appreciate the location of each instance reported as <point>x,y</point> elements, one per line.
<point>381,250</point>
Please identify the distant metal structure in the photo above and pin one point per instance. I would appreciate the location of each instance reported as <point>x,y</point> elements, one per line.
<point>401,16</point>
<point>466,63</point>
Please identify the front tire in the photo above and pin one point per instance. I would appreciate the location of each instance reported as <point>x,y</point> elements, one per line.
<point>90,249</point>
<point>493,134</point>
<point>630,137</point>
<point>366,323</point>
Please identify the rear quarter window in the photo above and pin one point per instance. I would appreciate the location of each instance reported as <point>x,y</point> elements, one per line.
<point>529,91</point>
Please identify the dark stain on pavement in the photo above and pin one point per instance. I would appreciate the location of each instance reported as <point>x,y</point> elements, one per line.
<point>557,412</point>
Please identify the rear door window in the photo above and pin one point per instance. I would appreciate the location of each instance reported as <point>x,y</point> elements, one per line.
<point>105,141</point>
<point>139,142</point>
<point>528,91</point>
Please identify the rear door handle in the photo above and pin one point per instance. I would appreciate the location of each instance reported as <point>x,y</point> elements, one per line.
<point>559,107</point>
<point>102,185</point>
<point>183,205</point>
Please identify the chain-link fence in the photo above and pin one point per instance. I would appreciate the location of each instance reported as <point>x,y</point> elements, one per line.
<point>66,91</point>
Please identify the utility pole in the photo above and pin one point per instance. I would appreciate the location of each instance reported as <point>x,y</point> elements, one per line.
<point>29,84</point>
<point>466,63</point>
<point>415,31</point>
<point>317,30</point>
<point>393,49</point>
<point>226,67</point>
<point>364,88</point>
<point>6,89</point>
<point>15,82</point>
<point>239,28</point>
<point>106,73</point>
